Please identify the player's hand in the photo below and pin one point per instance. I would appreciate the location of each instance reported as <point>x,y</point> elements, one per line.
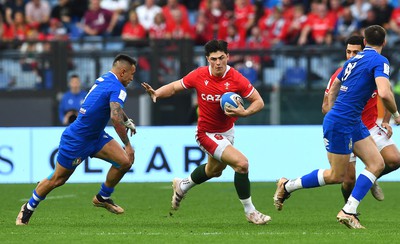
<point>130,126</point>
<point>236,112</point>
<point>150,91</point>
<point>388,128</point>
<point>397,120</point>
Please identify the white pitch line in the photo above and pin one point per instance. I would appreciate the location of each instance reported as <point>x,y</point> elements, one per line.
<point>51,197</point>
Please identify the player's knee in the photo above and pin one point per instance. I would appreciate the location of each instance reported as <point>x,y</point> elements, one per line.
<point>335,178</point>
<point>242,167</point>
<point>126,165</point>
<point>56,182</point>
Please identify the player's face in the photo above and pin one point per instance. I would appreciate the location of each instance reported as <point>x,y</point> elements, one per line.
<point>127,76</point>
<point>218,62</point>
<point>352,50</point>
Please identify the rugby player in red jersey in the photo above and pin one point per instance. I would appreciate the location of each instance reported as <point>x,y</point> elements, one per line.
<point>215,128</point>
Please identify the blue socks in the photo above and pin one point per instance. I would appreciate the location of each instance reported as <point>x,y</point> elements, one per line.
<point>363,183</point>
<point>313,179</point>
<point>34,201</point>
<point>105,192</point>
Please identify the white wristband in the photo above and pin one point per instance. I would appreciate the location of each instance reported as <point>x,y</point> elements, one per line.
<point>396,114</point>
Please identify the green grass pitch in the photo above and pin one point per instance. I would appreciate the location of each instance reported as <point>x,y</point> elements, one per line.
<point>211,213</point>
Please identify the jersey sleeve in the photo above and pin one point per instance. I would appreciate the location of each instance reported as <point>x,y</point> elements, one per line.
<point>188,81</point>
<point>382,68</point>
<point>330,82</point>
<point>118,94</point>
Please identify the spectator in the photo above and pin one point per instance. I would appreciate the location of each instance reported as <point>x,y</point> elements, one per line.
<point>37,13</point>
<point>5,33</point>
<point>178,27</point>
<point>79,8</point>
<point>359,9</point>
<point>274,26</point>
<point>146,13</point>
<point>19,28</point>
<point>394,27</point>
<point>159,29</point>
<point>11,7</point>
<point>215,14</point>
<point>318,28</point>
<point>201,30</point>
<point>244,13</point>
<point>193,10</point>
<point>56,31</point>
<point>236,42</point>
<point>97,21</point>
<point>170,13</point>
<point>288,9</point>
<point>296,25</point>
<point>335,10</point>
<point>370,20</point>
<point>383,10</point>
<point>30,50</point>
<point>63,12</point>
<point>132,29</point>
<point>71,101</point>
<point>119,8</point>
<point>345,26</point>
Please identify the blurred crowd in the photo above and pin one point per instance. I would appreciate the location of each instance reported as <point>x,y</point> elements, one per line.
<point>244,23</point>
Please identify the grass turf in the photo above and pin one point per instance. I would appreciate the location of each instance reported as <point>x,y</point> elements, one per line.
<point>211,213</point>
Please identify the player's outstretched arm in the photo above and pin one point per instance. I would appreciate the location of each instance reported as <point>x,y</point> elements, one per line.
<point>164,91</point>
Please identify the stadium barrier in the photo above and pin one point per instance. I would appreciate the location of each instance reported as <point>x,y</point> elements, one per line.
<point>28,154</point>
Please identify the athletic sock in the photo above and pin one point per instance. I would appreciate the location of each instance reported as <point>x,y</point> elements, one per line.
<point>186,184</point>
<point>105,191</point>
<point>199,175</point>
<point>363,183</point>
<point>292,185</point>
<point>242,185</point>
<point>313,179</point>
<point>34,201</point>
<point>351,205</point>
<point>248,205</point>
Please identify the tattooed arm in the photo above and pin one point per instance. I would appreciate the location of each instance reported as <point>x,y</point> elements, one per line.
<point>118,117</point>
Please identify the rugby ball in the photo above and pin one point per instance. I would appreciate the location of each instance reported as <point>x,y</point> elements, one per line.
<point>230,99</point>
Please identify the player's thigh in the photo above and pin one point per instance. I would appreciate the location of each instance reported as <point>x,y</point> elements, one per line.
<point>233,157</point>
<point>113,152</point>
<point>214,166</point>
<point>339,164</point>
<point>391,156</point>
<point>367,151</point>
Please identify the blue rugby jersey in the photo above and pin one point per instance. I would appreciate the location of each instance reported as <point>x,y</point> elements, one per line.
<point>94,113</point>
<point>358,83</point>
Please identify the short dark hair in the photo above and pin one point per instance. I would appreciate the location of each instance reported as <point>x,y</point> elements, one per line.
<point>215,46</point>
<point>126,58</point>
<point>375,35</point>
<point>74,76</point>
<point>356,40</point>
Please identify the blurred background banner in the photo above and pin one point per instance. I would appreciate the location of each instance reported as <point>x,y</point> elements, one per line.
<point>28,154</point>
